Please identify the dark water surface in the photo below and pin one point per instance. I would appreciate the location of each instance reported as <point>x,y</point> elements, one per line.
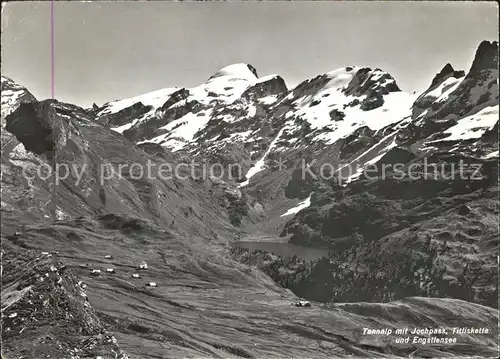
<point>283,249</point>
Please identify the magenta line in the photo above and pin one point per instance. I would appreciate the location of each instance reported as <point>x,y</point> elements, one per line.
<point>52,72</point>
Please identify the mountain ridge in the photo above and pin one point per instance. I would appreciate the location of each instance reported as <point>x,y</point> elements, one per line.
<point>338,162</point>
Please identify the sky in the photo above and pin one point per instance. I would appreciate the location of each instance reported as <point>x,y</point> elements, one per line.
<point>111,50</point>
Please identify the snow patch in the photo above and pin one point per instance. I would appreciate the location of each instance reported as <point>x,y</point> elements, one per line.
<point>268,100</point>
<point>180,131</point>
<point>252,111</point>
<point>125,127</point>
<point>360,170</point>
<point>239,70</point>
<point>490,155</point>
<point>259,165</point>
<point>473,126</point>
<point>443,90</point>
<point>304,204</point>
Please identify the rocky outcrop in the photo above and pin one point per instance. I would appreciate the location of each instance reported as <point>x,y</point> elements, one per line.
<point>272,86</point>
<point>443,81</point>
<point>37,126</point>
<point>486,57</point>
<point>446,72</point>
<point>125,116</point>
<point>477,90</point>
<point>366,80</point>
<point>45,308</point>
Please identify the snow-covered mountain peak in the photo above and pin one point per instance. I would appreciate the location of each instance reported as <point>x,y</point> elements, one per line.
<point>13,95</point>
<point>8,82</point>
<point>340,77</point>
<point>347,84</point>
<point>227,84</point>
<point>235,81</point>
<point>237,71</point>
<point>154,99</point>
<point>235,100</point>
<point>172,117</point>
<point>332,106</point>
<point>236,107</point>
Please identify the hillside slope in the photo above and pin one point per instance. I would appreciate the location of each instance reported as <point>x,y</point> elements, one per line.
<point>208,305</point>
